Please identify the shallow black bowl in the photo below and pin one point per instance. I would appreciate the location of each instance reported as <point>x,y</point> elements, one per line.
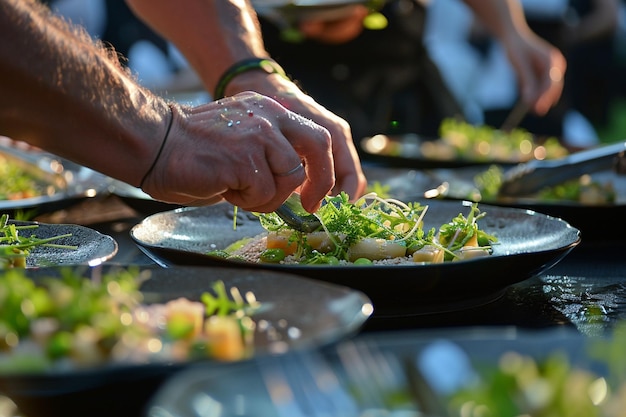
<point>296,313</point>
<point>530,243</point>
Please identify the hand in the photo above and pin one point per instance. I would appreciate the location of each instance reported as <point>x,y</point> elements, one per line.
<point>342,28</point>
<point>349,175</point>
<point>246,149</point>
<point>540,69</point>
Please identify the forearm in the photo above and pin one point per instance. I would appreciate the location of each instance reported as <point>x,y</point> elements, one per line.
<point>601,23</point>
<point>63,94</point>
<point>212,34</point>
<point>503,18</point>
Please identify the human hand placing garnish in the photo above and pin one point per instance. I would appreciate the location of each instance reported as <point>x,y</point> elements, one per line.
<point>248,150</point>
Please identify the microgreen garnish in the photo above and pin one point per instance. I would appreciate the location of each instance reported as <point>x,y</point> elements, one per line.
<point>15,246</point>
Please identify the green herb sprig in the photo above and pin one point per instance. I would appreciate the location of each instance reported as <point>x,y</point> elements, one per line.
<point>15,246</point>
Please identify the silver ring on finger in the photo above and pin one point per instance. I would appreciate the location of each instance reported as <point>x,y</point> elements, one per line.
<point>290,172</point>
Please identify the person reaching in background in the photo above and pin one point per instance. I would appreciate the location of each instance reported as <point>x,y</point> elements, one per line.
<point>380,81</point>
<point>384,80</point>
<point>584,30</point>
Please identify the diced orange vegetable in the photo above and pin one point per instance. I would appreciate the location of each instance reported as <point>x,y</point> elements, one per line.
<point>428,254</point>
<point>280,240</point>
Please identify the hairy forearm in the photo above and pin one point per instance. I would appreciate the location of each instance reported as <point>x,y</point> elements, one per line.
<point>212,34</point>
<point>60,92</point>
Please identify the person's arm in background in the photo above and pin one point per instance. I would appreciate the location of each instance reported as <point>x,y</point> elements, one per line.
<point>540,66</point>
<point>65,94</point>
<point>215,34</point>
<point>600,23</point>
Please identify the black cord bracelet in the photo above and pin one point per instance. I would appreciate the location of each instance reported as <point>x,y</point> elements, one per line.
<point>167,133</point>
<point>264,64</point>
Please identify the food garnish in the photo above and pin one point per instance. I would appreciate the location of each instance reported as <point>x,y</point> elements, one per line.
<point>18,183</point>
<point>15,246</point>
<point>584,190</point>
<point>483,143</point>
<point>73,321</point>
<point>373,230</point>
<point>550,384</point>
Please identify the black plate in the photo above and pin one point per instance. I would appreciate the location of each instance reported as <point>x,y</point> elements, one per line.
<point>93,247</point>
<point>297,313</point>
<point>530,244</point>
<point>595,222</point>
<point>69,183</point>
<point>378,367</point>
<point>414,151</point>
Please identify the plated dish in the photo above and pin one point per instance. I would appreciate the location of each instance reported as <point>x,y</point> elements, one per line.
<point>499,371</point>
<point>529,244</point>
<point>90,246</point>
<point>295,313</point>
<point>59,183</point>
<point>459,144</point>
<point>590,219</point>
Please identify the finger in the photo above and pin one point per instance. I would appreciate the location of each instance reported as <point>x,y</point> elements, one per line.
<point>348,172</point>
<point>314,147</point>
<point>267,183</point>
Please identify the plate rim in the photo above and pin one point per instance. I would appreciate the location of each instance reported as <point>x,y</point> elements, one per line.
<point>321,339</point>
<point>426,293</point>
<point>93,261</point>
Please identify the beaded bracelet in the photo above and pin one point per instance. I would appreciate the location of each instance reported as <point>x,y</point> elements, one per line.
<point>264,64</point>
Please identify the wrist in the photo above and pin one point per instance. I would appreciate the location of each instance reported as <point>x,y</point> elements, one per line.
<point>263,65</point>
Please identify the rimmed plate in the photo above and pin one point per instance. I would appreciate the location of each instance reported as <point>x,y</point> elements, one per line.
<point>530,243</point>
<point>67,182</point>
<point>590,219</point>
<point>92,247</point>
<point>296,313</point>
<point>409,373</point>
<point>414,151</point>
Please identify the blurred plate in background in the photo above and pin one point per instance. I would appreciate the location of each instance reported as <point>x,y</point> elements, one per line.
<point>92,247</point>
<point>460,143</point>
<point>415,373</point>
<point>600,221</point>
<point>59,183</point>
<point>295,313</point>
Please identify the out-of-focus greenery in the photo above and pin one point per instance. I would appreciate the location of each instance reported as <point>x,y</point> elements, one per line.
<point>584,189</point>
<point>554,386</point>
<point>463,140</point>
<point>382,190</point>
<point>16,183</point>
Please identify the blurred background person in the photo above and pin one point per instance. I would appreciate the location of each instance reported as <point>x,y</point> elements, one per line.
<point>368,63</point>
<point>585,31</point>
<point>387,78</point>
